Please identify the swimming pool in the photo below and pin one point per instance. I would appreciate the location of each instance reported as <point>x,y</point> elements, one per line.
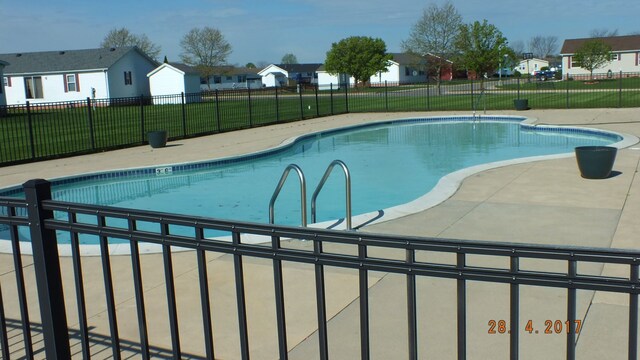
<point>393,165</point>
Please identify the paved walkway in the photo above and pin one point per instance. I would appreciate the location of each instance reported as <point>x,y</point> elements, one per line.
<point>539,202</point>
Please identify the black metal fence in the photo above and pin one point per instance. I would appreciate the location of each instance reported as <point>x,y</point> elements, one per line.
<point>46,130</point>
<point>67,288</point>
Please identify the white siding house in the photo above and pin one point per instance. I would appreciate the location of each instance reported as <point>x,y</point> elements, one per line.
<point>53,76</point>
<point>168,81</point>
<point>289,74</point>
<point>625,56</point>
<point>231,77</point>
<point>531,66</point>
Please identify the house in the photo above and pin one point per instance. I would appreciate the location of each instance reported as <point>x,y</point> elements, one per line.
<point>3,98</point>
<point>51,76</point>
<point>404,68</point>
<point>625,56</point>
<point>231,77</point>
<point>289,74</point>
<point>169,80</point>
<point>530,66</point>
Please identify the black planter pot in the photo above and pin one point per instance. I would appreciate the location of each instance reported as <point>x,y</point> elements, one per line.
<point>595,162</point>
<point>521,104</point>
<point>157,139</point>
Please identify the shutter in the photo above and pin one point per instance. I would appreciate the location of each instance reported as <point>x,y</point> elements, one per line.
<point>637,58</point>
<point>77,83</point>
<point>66,85</point>
<point>9,78</point>
<point>569,63</point>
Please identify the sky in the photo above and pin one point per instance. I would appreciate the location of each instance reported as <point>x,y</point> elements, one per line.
<point>263,31</point>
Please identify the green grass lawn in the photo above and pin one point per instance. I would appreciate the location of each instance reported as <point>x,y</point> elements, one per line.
<point>75,130</point>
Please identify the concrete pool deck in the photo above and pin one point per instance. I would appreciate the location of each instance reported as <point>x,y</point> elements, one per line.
<point>543,202</point>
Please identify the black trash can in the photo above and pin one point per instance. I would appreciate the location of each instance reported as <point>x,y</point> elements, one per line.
<point>157,139</point>
<point>595,162</point>
<point>521,104</point>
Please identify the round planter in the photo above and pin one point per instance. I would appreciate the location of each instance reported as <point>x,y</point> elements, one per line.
<point>521,104</point>
<point>157,139</point>
<point>595,162</point>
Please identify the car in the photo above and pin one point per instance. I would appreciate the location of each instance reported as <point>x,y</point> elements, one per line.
<point>545,75</point>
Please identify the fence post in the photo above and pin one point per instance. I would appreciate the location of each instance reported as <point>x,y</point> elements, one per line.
<point>472,107</point>
<point>141,101</point>
<point>47,270</point>
<point>567,82</point>
<point>518,88</point>
<point>386,96</point>
<point>301,105</point>
<point>90,118</point>
<point>250,112</point>
<point>277,105</point>
<point>331,96</point>
<point>620,92</point>
<point>184,115</point>
<point>317,103</point>
<point>346,95</point>
<point>428,98</point>
<point>218,110</point>
<point>29,122</point>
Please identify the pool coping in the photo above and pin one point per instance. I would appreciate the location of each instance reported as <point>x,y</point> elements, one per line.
<point>444,189</point>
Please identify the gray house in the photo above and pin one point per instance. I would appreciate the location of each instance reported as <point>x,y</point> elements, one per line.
<point>51,76</point>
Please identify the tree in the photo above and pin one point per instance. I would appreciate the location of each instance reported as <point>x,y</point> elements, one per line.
<point>543,46</point>
<point>250,65</point>
<point>358,56</point>
<point>435,33</point>
<point>600,33</point>
<point>289,59</point>
<point>592,54</point>
<point>123,37</point>
<point>205,49</point>
<point>481,47</point>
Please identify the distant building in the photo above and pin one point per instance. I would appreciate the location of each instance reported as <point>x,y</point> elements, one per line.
<point>52,76</point>
<point>169,80</point>
<point>231,77</point>
<point>276,75</point>
<point>625,56</point>
<point>530,66</point>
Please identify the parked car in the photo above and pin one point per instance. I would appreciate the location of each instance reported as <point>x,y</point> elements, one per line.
<point>545,75</point>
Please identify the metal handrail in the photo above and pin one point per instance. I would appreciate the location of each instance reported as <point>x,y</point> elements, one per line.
<point>477,102</point>
<point>347,179</point>
<point>303,193</point>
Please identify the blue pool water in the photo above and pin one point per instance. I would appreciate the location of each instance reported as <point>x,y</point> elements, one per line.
<point>390,164</point>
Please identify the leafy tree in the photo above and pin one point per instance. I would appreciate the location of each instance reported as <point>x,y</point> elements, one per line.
<point>592,54</point>
<point>250,65</point>
<point>543,46</point>
<point>205,49</point>
<point>481,47</point>
<point>289,59</point>
<point>123,37</point>
<point>435,33</point>
<point>358,56</point>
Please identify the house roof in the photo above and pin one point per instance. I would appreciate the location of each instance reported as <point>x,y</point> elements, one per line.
<point>187,69</point>
<point>298,68</point>
<point>67,60</point>
<point>617,43</point>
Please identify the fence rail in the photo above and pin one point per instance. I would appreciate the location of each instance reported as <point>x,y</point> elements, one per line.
<point>364,253</point>
<point>38,131</point>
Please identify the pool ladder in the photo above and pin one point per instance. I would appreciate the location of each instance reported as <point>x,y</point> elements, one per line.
<point>303,192</point>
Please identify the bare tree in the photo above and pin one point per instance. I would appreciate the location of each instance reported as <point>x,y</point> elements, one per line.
<point>518,48</point>
<point>205,49</point>
<point>435,34</point>
<point>600,33</point>
<point>543,46</point>
<point>123,37</point>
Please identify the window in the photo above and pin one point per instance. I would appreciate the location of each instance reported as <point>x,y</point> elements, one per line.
<point>573,63</point>
<point>71,83</point>
<point>33,87</point>
<point>217,79</point>
<point>229,78</point>
<point>242,78</point>
<point>615,57</point>
<point>127,78</point>
<point>7,81</point>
